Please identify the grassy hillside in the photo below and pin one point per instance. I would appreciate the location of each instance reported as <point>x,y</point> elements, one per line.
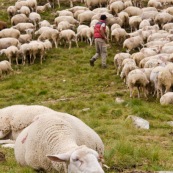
<point>66,82</point>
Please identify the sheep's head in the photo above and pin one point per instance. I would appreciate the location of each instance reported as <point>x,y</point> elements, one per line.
<point>5,127</point>
<point>82,159</point>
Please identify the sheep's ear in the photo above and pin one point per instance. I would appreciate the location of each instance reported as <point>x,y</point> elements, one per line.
<point>65,157</point>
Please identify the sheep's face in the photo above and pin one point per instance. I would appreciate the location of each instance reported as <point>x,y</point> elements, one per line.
<point>5,128</point>
<point>81,160</point>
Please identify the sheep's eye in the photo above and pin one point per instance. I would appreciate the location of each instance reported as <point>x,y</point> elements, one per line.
<point>76,159</point>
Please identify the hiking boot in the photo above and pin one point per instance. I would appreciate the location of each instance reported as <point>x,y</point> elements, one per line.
<point>92,62</point>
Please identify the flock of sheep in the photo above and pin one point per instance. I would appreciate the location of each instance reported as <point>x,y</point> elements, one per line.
<point>150,24</point>
<point>150,69</point>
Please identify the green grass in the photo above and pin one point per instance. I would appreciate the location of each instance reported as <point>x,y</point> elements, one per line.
<point>66,82</point>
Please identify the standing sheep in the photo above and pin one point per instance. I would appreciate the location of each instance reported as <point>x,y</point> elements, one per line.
<point>6,42</point>
<point>19,18</point>
<point>5,67</point>
<point>137,79</point>
<point>11,52</point>
<point>68,36</point>
<point>34,18</point>
<point>50,34</point>
<point>65,137</point>
<point>10,32</point>
<point>133,42</point>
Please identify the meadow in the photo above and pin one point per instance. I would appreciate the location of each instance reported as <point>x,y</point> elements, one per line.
<point>66,82</point>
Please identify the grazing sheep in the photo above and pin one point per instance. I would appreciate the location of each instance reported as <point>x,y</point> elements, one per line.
<point>19,18</point>
<point>9,41</point>
<point>13,119</point>
<point>25,49</point>
<point>114,26</point>
<point>119,34</point>
<point>36,48</point>
<point>5,67</point>
<point>167,98</point>
<point>77,13</point>
<point>42,29</point>
<point>11,52</point>
<point>70,144</point>
<point>64,25</point>
<point>125,18</point>
<point>50,34</point>
<point>128,3</point>
<point>47,45</point>
<point>44,23</point>
<point>154,63</point>
<point>43,8</point>
<point>19,4</point>
<point>91,4</point>
<point>168,26</point>
<point>11,10</point>
<point>137,57</point>
<point>75,8</point>
<point>86,16</point>
<point>24,10</point>
<point>154,3</point>
<point>64,13</point>
<point>26,38</point>
<point>133,42</point>
<point>137,79</point>
<point>22,27</point>
<point>148,51</point>
<point>165,81</point>
<point>149,15</point>
<point>69,19</point>
<point>161,57</point>
<point>118,59</point>
<point>34,18</point>
<point>68,36</point>
<point>133,11</point>
<point>85,33</point>
<point>144,23</point>
<point>101,10</point>
<point>10,32</point>
<point>3,25</point>
<point>154,79</point>
<point>32,4</point>
<point>134,22</point>
<point>163,18</point>
<point>129,66</point>
<point>157,36</point>
<point>169,10</point>
<point>116,7</point>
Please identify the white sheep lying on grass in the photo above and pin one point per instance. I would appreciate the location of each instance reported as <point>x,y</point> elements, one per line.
<point>61,142</point>
<point>167,99</point>
<point>13,119</point>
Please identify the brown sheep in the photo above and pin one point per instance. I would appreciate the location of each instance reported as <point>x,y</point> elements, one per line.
<point>3,25</point>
